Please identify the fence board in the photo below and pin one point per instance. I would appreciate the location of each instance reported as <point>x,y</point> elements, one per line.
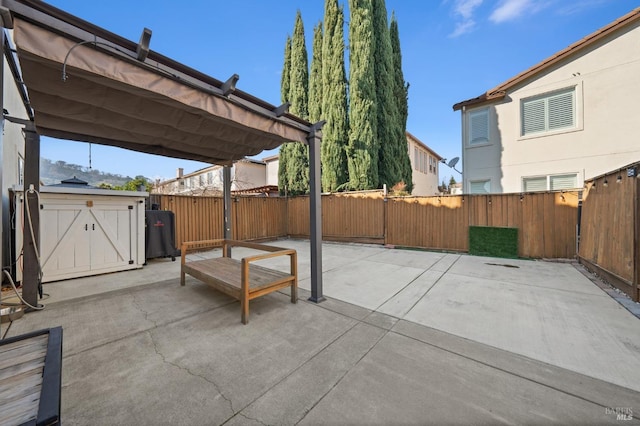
<point>546,221</point>
<point>607,230</point>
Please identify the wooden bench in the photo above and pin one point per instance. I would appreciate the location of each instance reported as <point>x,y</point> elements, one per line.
<point>240,279</point>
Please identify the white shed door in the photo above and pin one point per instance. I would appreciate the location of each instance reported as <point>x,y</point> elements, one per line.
<point>76,238</point>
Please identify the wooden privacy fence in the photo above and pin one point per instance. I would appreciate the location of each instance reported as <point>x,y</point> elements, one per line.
<point>546,222</point>
<point>610,228</point>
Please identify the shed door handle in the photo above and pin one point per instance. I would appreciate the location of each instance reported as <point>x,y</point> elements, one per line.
<point>93,226</point>
<point>86,227</point>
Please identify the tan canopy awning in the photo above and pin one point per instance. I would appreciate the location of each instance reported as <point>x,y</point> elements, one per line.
<point>111,98</point>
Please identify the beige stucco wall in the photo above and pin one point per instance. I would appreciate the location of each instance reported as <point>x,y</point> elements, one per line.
<point>424,184</point>
<point>607,81</point>
<point>272,170</point>
<point>247,175</point>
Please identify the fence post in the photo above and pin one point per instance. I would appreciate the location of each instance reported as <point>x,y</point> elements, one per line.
<point>636,238</point>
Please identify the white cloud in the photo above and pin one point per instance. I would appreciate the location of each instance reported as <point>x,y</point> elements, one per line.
<point>509,10</point>
<point>463,28</point>
<point>465,10</point>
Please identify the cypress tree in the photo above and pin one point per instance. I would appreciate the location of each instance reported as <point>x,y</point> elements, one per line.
<point>315,77</point>
<point>297,167</point>
<point>387,109</point>
<point>335,133</point>
<point>283,185</point>
<point>401,96</point>
<point>362,151</point>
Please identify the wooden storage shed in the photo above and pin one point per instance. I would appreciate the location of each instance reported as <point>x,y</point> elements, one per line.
<point>86,230</point>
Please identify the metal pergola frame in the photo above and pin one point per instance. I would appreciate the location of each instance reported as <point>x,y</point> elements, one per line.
<point>62,24</point>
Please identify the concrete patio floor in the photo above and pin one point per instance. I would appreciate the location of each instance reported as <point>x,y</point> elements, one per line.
<point>405,337</point>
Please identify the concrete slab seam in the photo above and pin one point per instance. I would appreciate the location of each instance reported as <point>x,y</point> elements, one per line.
<point>177,320</point>
<point>326,308</point>
<point>250,418</point>
<point>296,369</point>
<point>501,369</point>
<point>432,286</point>
<point>344,375</point>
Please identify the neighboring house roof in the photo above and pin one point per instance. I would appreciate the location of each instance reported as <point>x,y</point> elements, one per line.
<point>499,92</point>
<point>420,143</point>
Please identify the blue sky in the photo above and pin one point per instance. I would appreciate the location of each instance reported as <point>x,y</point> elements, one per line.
<point>452,50</point>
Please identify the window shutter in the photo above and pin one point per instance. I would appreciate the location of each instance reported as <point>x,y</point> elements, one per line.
<point>480,187</point>
<point>534,184</point>
<point>561,108</point>
<point>533,116</point>
<point>478,127</point>
<point>549,112</point>
<point>564,182</point>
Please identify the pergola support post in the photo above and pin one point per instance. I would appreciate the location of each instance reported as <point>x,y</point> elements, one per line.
<point>314,140</point>
<point>226,190</point>
<point>31,242</point>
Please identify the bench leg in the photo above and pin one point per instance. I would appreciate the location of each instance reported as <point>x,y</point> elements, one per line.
<point>244,305</point>
<point>294,292</point>
<point>182,278</point>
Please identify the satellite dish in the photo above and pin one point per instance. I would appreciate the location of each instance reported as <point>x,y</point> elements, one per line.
<point>452,163</point>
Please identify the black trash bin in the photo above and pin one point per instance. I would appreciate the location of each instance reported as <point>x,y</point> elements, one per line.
<point>160,234</point>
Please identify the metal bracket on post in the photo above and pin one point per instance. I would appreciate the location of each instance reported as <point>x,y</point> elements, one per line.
<point>315,209</point>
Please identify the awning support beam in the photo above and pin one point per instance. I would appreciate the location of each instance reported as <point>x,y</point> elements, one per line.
<point>226,190</point>
<point>314,140</point>
<point>31,242</point>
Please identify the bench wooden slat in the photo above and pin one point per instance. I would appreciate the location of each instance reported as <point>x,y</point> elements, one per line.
<point>226,274</point>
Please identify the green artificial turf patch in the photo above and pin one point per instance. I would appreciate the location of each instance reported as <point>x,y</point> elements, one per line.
<point>493,241</point>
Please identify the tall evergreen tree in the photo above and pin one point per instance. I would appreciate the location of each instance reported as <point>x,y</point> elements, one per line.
<point>297,167</point>
<point>389,130</point>
<point>401,96</point>
<point>362,151</point>
<point>283,186</point>
<point>315,77</point>
<point>335,133</point>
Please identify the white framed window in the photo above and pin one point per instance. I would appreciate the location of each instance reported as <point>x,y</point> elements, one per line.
<point>536,183</point>
<point>416,159</point>
<point>569,181</point>
<point>550,182</point>
<point>549,112</point>
<point>478,127</point>
<point>209,178</point>
<point>480,186</point>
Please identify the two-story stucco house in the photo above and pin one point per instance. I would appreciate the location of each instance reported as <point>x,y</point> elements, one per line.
<point>425,164</point>
<point>246,175</point>
<point>570,117</point>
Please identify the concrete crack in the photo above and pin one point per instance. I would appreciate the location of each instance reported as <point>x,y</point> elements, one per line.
<point>211,382</point>
<point>251,418</point>
<point>144,312</point>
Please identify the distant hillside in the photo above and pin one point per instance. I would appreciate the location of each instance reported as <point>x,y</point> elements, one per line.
<point>52,173</point>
